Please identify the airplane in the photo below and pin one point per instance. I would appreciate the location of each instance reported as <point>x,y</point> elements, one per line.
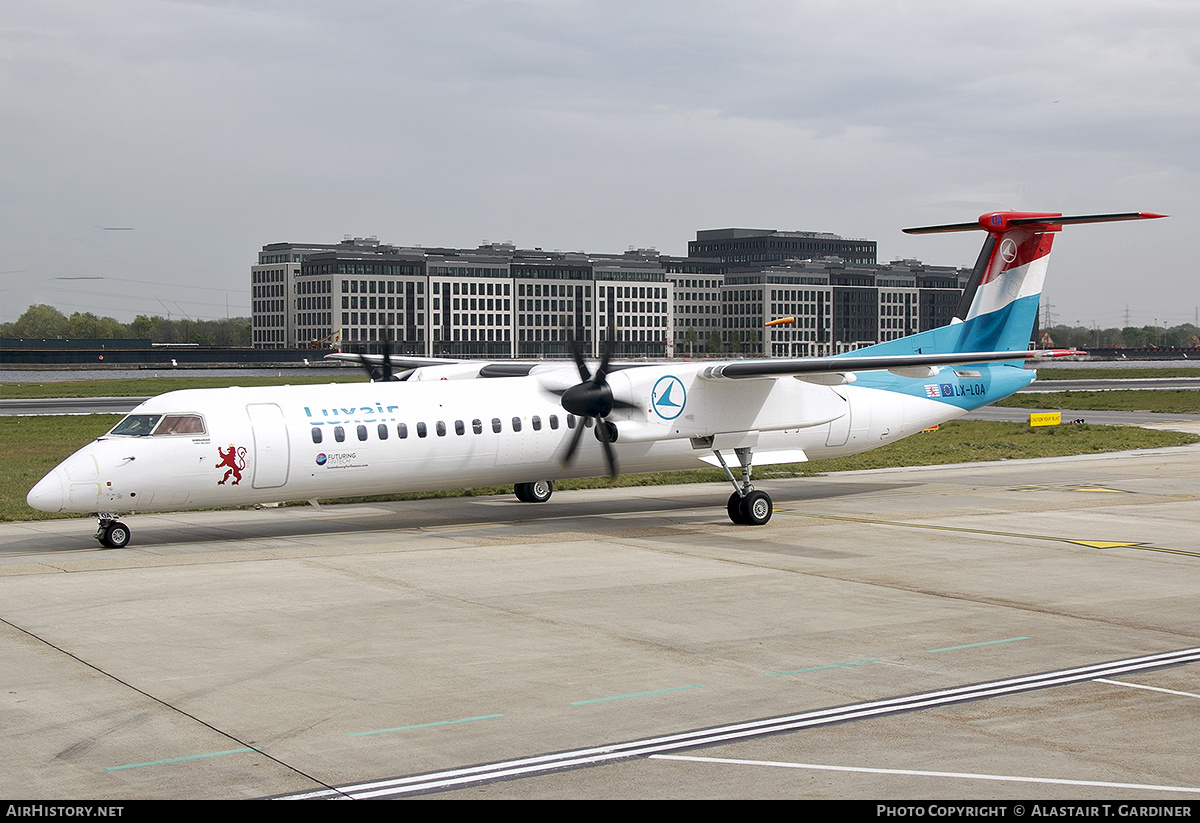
<point>427,423</point>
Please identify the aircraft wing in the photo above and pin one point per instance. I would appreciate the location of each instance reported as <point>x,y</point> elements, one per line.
<point>907,364</point>
<point>818,369</point>
<point>474,368</point>
<point>399,361</point>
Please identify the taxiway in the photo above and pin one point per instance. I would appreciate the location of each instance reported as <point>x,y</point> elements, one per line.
<point>360,649</point>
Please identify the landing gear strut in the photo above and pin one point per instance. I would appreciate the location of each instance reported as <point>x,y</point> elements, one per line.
<point>111,532</point>
<point>538,491</point>
<point>747,506</point>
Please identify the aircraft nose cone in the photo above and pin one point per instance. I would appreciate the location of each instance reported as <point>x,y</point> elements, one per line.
<point>47,495</point>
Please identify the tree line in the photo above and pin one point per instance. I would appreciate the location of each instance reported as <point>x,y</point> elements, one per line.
<point>1185,336</point>
<point>42,322</point>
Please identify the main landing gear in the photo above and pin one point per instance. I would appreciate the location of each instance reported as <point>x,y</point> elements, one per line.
<point>747,506</point>
<point>537,492</point>
<point>111,532</point>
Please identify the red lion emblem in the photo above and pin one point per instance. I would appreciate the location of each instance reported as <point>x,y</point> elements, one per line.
<point>234,460</point>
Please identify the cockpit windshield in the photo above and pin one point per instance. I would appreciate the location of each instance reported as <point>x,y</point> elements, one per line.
<point>137,425</point>
<point>142,425</point>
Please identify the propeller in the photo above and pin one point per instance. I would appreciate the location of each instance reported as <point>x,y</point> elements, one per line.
<point>383,372</point>
<point>591,400</point>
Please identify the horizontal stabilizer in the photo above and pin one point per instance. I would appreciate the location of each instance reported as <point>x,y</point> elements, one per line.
<point>1004,220</point>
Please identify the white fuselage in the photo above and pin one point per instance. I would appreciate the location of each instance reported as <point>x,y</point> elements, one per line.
<point>261,445</point>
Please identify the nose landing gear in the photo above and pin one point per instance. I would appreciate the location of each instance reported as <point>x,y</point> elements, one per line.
<point>112,533</point>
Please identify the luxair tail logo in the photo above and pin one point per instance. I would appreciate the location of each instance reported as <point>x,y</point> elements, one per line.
<point>233,459</point>
<point>668,397</point>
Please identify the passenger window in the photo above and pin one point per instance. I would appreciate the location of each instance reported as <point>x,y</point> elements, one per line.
<point>477,426</point>
<point>554,421</point>
<point>441,429</point>
<point>339,434</point>
<point>316,434</point>
<point>402,430</point>
<point>496,425</point>
<point>516,424</point>
<point>421,432</point>
<point>459,428</point>
<point>362,432</point>
<point>383,431</point>
<point>570,421</point>
<point>537,423</point>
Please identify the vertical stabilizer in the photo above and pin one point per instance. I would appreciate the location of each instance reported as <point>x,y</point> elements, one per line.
<point>1000,303</point>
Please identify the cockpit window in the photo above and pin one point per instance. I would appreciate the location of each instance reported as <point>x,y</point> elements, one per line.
<point>180,424</point>
<point>141,425</point>
<point>137,425</point>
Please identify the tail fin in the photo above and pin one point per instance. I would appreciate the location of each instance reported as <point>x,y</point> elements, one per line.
<point>999,306</point>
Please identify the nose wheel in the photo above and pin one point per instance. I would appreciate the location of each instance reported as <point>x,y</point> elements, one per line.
<point>112,534</point>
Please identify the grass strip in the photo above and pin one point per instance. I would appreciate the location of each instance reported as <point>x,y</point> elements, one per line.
<point>1142,373</point>
<point>151,385</point>
<point>1166,401</point>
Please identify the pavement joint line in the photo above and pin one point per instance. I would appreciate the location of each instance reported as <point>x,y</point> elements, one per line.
<point>170,707</point>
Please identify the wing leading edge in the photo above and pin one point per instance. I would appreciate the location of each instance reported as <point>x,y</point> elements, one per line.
<point>746,369</point>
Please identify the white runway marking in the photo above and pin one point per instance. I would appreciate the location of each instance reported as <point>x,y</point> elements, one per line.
<point>919,773</point>
<point>1147,688</point>
<point>540,764</point>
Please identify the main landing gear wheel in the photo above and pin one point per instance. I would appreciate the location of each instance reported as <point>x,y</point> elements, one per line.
<point>537,492</point>
<point>746,506</point>
<point>114,535</point>
<point>755,509</point>
<point>734,508</point>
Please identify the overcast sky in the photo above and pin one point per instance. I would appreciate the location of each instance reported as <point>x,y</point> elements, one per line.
<point>158,145</point>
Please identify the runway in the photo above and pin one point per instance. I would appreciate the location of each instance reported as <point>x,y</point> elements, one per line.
<point>292,651</point>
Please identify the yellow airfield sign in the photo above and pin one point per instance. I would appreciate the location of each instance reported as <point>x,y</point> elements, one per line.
<point>1045,419</point>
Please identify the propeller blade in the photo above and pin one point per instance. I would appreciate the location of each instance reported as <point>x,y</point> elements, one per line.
<point>386,375</point>
<point>592,400</point>
<point>569,455</point>
<point>577,355</point>
<point>372,371</point>
<point>610,346</point>
<point>602,433</point>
